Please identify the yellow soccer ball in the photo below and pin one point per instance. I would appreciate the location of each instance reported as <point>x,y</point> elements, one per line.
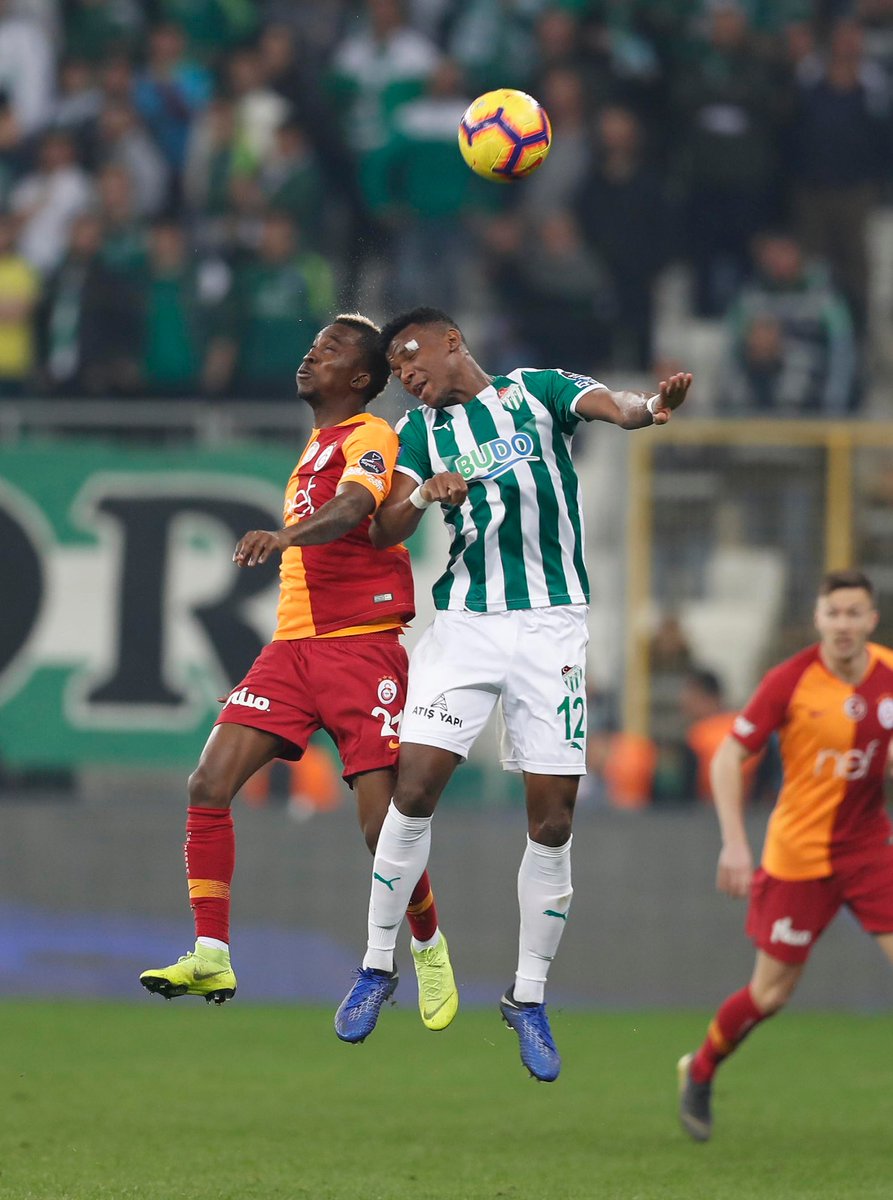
<point>505,135</point>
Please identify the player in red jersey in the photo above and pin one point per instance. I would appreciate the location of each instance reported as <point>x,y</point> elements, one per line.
<point>335,661</point>
<point>828,843</point>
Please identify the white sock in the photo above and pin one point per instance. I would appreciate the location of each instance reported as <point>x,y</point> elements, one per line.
<point>544,888</point>
<point>429,944</point>
<point>402,855</point>
<point>214,943</point>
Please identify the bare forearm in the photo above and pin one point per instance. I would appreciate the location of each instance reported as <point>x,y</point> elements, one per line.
<point>728,794</point>
<point>394,523</point>
<point>336,517</point>
<point>633,409</point>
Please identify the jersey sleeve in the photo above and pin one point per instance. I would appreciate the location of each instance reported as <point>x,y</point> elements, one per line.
<point>413,458</point>
<point>883,653</point>
<point>560,392</point>
<point>370,452</point>
<point>766,710</point>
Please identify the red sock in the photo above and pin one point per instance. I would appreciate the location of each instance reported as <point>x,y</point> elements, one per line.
<point>734,1020</point>
<point>210,859</point>
<point>421,913</point>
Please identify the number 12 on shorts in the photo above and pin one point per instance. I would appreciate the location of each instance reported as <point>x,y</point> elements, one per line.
<point>573,709</point>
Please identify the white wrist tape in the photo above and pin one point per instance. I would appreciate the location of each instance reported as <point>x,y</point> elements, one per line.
<point>651,403</point>
<point>416,498</point>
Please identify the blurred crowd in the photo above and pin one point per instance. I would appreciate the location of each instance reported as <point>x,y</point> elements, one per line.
<point>189,187</point>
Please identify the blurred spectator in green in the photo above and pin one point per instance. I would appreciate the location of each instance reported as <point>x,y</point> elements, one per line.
<point>211,161</point>
<point>27,79</point>
<point>840,151</point>
<point>188,315</point>
<point>239,234</point>
<point>259,110</point>
<point>124,235</point>
<point>90,324</point>
<point>291,180</point>
<point>626,218</point>
<point>558,295</point>
<point>47,200</point>
<point>19,294</point>
<point>117,80</point>
<point>280,298</point>
<point>562,94</point>
<point>212,26</point>
<point>562,42</point>
<point>425,194</point>
<point>78,103</point>
<point>729,103</point>
<point>791,345</point>
<point>94,29</point>
<point>123,141</point>
<point>170,91</point>
<point>172,350</point>
<point>876,20</point>
<point>492,40</point>
<point>293,67</point>
<point>373,72</point>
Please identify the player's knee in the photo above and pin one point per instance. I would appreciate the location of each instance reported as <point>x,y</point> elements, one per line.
<point>551,830</point>
<point>413,798</point>
<point>371,830</point>
<point>772,997</point>
<point>207,790</point>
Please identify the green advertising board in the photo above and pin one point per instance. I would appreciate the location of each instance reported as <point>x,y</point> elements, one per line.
<point>122,615</point>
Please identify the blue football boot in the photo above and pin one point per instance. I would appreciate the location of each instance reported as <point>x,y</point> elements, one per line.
<point>358,1012</point>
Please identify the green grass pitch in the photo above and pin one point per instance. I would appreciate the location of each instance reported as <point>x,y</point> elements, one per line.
<point>160,1101</point>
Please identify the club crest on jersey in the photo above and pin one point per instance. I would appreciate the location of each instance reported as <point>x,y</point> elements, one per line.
<point>372,461</point>
<point>493,459</point>
<point>387,690</point>
<point>572,678</point>
<point>885,712</point>
<point>510,397</point>
<point>324,457</point>
<point>309,452</point>
<point>855,707</point>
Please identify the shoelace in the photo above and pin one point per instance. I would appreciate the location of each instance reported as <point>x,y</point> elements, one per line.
<point>431,986</point>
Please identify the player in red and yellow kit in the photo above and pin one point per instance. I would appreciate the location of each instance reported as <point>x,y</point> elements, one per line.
<point>335,661</point>
<point>828,843</point>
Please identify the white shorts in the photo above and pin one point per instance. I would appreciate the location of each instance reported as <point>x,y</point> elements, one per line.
<point>532,660</point>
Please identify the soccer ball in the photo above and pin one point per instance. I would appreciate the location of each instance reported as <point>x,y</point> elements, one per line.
<point>505,135</point>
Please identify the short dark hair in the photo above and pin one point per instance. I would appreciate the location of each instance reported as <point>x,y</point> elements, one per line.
<point>369,341</point>
<point>851,578</point>
<point>415,316</point>
<point>706,681</point>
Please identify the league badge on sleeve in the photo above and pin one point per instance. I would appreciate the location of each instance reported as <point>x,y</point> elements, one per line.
<point>373,462</point>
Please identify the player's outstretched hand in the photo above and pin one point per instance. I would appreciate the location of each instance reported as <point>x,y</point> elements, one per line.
<point>256,547</point>
<point>671,392</point>
<point>734,871</point>
<point>446,488</point>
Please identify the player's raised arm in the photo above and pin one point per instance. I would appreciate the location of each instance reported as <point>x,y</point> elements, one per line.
<point>635,410</point>
<point>401,512</point>
<point>735,868</point>
<point>350,505</point>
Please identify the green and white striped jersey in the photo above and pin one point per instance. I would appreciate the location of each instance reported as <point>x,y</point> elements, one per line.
<point>517,540</point>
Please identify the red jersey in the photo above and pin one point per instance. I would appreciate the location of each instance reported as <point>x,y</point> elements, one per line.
<point>834,740</point>
<point>345,586</point>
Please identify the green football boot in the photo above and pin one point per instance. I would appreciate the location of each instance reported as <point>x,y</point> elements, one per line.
<point>204,971</point>
<point>438,997</point>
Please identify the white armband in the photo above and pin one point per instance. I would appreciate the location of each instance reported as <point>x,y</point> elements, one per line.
<point>418,500</point>
<point>651,403</point>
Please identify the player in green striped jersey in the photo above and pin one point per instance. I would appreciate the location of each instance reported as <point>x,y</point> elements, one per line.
<point>495,454</point>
